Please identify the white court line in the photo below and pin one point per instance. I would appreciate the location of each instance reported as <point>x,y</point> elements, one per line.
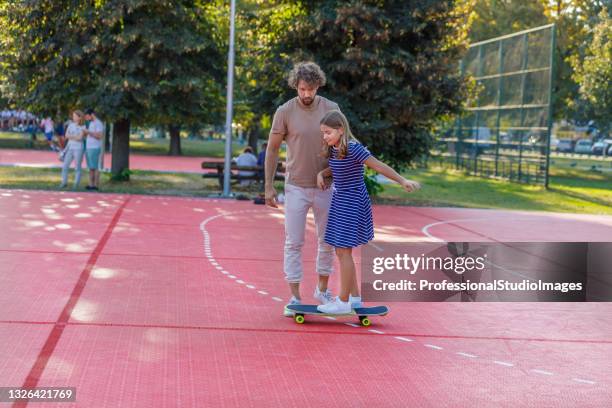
<point>580,380</point>
<point>542,372</point>
<point>239,281</point>
<point>425,229</point>
<point>461,353</point>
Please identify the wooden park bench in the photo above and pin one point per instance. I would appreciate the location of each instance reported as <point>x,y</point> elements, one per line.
<point>258,172</point>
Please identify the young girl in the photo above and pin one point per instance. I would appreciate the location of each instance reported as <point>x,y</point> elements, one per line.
<point>350,216</point>
<point>74,133</point>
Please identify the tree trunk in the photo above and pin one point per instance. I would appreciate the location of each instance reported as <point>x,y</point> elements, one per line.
<point>107,138</point>
<point>121,149</point>
<point>175,140</point>
<point>254,131</point>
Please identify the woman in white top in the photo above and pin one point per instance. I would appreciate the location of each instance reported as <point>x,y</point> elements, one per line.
<point>74,148</point>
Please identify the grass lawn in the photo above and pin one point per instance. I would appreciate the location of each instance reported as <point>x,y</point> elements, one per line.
<point>571,190</point>
<point>141,182</point>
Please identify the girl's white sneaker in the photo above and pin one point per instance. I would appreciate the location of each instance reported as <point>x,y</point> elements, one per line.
<point>335,307</point>
<point>355,301</point>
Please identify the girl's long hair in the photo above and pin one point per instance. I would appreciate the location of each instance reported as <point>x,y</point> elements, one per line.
<point>80,114</point>
<point>336,120</point>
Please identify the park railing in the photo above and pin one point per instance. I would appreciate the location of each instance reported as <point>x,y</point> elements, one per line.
<point>505,130</point>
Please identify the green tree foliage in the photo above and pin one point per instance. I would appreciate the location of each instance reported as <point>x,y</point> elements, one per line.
<point>391,65</point>
<point>493,18</point>
<point>594,72</point>
<point>139,62</point>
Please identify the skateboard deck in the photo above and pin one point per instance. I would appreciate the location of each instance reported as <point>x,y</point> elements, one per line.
<point>361,312</point>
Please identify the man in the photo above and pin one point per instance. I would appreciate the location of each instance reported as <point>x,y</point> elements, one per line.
<point>297,124</point>
<point>93,148</point>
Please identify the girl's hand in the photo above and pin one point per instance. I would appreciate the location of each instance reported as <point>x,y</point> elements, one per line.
<point>410,185</point>
<point>321,181</point>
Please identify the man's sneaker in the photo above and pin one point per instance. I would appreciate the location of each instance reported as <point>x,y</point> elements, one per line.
<point>292,301</point>
<point>335,307</point>
<point>323,297</point>
<point>355,301</point>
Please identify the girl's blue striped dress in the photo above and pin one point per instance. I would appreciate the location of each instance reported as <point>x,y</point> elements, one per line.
<point>350,216</point>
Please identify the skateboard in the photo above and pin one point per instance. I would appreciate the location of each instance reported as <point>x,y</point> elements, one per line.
<point>361,312</point>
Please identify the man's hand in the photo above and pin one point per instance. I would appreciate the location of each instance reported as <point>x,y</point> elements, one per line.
<point>321,183</point>
<point>271,197</point>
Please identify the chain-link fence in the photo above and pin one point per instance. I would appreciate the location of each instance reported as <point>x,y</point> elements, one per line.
<point>505,131</point>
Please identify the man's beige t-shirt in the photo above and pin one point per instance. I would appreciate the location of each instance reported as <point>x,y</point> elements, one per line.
<point>301,129</point>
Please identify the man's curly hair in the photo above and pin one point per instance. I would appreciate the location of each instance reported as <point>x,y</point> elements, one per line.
<point>308,72</point>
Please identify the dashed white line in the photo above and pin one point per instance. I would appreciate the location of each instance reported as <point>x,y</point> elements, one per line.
<point>208,253</point>
<point>580,380</point>
<point>542,372</point>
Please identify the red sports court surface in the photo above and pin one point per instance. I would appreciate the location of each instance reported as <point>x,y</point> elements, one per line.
<point>38,158</point>
<point>172,302</point>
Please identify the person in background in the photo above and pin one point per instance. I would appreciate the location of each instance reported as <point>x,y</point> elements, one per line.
<point>246,158</point>
<point>93,148</point>
<point>47,126</point>
<point>60,131</point>
<point>261,159</point>
<point>75,134</point>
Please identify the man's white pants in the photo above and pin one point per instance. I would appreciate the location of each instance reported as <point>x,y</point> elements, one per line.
<point>298,201</point>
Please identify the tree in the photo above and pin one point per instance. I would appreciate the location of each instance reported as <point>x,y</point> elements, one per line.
<point>391,65</point>
<point>138,62</point>
<point>594,72</point>
<point>493,18</point>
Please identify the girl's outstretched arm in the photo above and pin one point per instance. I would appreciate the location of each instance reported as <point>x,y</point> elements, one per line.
<point>381,168</point>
